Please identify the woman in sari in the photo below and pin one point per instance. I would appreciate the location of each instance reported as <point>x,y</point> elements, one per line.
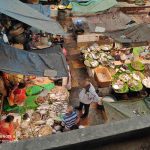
<point>7,129</point>
<point>18,95</point>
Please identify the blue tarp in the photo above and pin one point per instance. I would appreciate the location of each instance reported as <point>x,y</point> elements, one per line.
<point>45,10</point>
<point>18,61</point>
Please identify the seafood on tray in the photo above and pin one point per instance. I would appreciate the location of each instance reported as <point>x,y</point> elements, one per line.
<point>51,107</point>
<point>59,93</point>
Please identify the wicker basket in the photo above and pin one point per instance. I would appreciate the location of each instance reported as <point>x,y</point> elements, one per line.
<point>102,76</point>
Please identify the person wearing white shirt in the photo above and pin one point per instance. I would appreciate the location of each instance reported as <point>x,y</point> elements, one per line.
<point>86,97</point>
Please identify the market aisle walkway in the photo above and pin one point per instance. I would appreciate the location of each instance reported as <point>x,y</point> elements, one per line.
<point>78,72</point>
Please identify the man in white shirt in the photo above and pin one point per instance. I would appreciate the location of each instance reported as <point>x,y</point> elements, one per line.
<point>86,97</point>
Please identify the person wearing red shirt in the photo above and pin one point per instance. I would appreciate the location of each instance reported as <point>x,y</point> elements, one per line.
<point>18,95</point>
<point>7,129</point>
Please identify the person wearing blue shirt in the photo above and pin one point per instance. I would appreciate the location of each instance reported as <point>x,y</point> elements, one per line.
<point>70,119</point>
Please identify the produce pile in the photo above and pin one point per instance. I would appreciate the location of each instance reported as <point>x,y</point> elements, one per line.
<point>137,65</point>
<point>52,105</point>
<point>127,78</point>
<point>146,82</point>
<point>96,55</point>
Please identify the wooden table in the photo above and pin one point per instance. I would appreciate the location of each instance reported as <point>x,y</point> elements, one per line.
<point>132,8</point>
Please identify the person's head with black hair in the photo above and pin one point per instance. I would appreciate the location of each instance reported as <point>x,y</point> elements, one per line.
<point>21,85</point>
<point>25,116</point>
<point>1,73</point>
<point>9,119</point>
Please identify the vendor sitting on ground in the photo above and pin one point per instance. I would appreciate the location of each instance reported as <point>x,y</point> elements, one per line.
<point>70,119</point>
<point>7,129</point>
<point>18,95</point>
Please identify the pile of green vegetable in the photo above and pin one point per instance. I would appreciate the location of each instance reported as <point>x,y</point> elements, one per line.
<point>128,79</point>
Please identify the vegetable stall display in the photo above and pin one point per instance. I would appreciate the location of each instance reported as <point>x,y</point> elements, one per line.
<point>129,78</point>
<point>96,55</point>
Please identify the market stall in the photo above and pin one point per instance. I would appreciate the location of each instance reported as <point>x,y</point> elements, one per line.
<point>33,63</point>
<point>44,101</point>
<point>28,15</point>
<point>34,96</point>
<point>125,69</point>
<point>42,109</point>
<point>23,31</point>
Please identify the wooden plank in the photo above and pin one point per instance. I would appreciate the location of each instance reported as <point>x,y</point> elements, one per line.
<point>91,37</point>
<point>130,5</point>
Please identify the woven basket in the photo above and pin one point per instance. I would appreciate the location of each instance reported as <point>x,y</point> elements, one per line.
<point>104,81</point>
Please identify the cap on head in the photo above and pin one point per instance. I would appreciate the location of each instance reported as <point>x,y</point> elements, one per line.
<point>21,85</point>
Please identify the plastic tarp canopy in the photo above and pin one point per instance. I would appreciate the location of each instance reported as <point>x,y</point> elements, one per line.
<point>45,10</point>
<point>18,61</point>
<point>112,20</point>
<point>136,34</point>
<point>119,110</point>
<point>22,12</point>
<point>92,6</point>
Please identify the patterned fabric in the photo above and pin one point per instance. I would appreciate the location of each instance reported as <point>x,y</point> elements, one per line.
<point>70,120</point>
<point>17,96</point>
